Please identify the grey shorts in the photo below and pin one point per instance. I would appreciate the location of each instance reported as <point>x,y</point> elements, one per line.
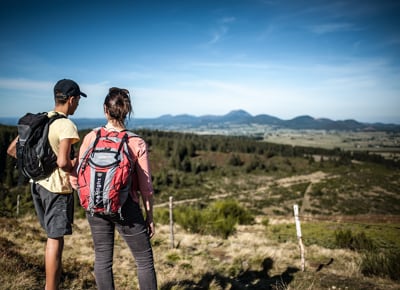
<point>55,211</point>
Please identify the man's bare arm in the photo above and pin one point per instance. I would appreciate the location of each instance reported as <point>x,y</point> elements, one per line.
<point>63,159</point>
<point>12,148</point>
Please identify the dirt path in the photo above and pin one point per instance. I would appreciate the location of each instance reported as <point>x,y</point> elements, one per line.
<point>312,178</point>
<point>306,199</point>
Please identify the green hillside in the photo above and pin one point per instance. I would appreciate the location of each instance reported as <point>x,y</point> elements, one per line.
<point>253,172</point>
<point>233,212</point>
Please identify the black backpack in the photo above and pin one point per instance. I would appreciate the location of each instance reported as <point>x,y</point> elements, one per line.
<point>35,158</point>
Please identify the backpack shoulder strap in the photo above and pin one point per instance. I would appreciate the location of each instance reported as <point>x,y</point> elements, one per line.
<point>98,132</point>
<point>131,134</point>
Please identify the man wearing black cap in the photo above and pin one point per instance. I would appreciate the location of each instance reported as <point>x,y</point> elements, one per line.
<point>53,196</point>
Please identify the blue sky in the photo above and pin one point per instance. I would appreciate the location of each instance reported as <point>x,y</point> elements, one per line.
<point>333,59</point>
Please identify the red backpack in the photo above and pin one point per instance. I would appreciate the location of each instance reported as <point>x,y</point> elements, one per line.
<point>105,173</point>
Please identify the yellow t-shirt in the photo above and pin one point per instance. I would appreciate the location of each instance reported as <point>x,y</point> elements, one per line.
<point>58,181</point>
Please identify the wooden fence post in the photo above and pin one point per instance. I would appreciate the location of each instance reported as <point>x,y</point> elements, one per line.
<point>18,202</point>
<point>299,236</point>
<point>171,223</point>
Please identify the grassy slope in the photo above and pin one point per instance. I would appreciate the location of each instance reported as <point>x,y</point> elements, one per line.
<point>254,257</point>
<point>331,196</point>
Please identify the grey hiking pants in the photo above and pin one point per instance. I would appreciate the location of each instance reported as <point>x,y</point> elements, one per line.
<point>134,232</point>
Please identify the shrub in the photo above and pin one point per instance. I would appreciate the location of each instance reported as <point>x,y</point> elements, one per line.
<point>191,219</point>
<point>357,242</point>
<point>235,160</point>
<point>265,222</point>
<point>230,208</point>
<point>223,227</point>
<point>383,264</point>
<point>219,218</point>
<point>161,215</point>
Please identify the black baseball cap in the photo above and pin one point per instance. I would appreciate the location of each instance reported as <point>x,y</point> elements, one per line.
<point>66,88</point>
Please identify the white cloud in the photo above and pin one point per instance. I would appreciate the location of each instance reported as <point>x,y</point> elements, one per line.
<point>218,34</point>
<point>332,27</point>
<point>25,84</point>
<point>227,19</point>
<point>221,30</point>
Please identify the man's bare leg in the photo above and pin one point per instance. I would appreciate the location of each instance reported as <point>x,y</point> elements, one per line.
<point>53,262</point>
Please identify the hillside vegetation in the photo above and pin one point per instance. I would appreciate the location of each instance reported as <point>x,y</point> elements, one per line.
<point>234,228</point>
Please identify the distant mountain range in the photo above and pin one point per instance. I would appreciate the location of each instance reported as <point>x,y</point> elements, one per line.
<point>235,119</point>
<point>243,118</point>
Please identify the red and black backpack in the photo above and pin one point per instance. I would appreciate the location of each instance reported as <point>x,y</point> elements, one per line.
<point>105,173</point>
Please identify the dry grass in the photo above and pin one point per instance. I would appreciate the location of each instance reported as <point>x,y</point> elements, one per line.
<point>253,258</point>
<point>246,260</point>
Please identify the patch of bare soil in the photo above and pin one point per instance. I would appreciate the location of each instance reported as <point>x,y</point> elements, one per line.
<point>313,178</point>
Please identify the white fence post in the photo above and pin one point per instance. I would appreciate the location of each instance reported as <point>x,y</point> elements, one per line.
<point>171,223</point>
<point>299,236</point>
